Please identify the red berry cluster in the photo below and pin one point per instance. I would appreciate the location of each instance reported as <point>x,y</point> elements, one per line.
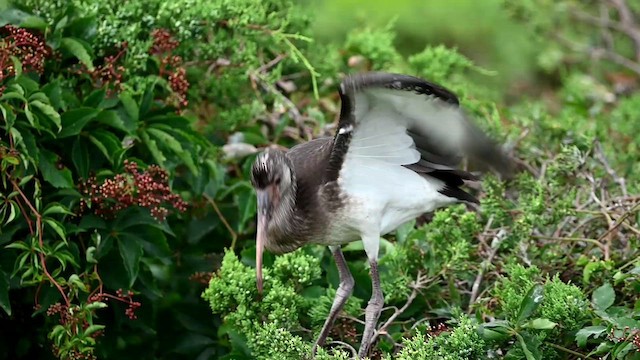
<point>202,277</point>
<point>74,355</point>
<point>439,329</point>
<point>109,74</point>
<point>133,305</point>
<point>170,66</point>
<point>628,334</point>
<point>149,189</point>
<point>71,317</point>
<point>27,47</point>
<point>62,310</point>
<point>122,296</point>
<point>163,42</point>
<point>344,329</point>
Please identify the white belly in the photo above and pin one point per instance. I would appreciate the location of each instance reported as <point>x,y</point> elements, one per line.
<point>381,198</point>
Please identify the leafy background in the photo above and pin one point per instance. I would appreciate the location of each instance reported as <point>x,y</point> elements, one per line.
<point>127,217</point>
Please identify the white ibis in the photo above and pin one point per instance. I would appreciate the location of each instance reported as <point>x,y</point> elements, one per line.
<point>391,160</point>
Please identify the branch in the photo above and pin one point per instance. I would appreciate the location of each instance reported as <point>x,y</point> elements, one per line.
<point>600,156</point>
<point>416,285</point>
<point>495,245</point>
<point>629,26</point>
<point>39,230</point>
<point>234,235</point>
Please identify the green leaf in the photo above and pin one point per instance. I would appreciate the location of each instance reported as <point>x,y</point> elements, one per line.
<point>246,206</point>
<point>29,115</point>
<point>4,293</point>
<point>27,143</point>
<point>130,247</point>
<point>59,178</point>
<point>80,157</point>
<point>90,255</point>
<point>529,347</point>
<point>157,154</point>
<point>55,208</point>
<point>11,95</point>
<point>583,335</point>
<point>73,121</point>
<point>540,324</point>
<point>495,330</point>
<point>57,227</point>
<point>175,146</point>
<point>130,106</point>
<point>50,112</point>
<point>96,305</point>
<point>17,65</point>
<point>19,245</point>
<point>92,329</point>
<point>107,143</point>
<point>94,99</point>
<point>603,297</point>
<point>57,330</point>
<point>78,50</point>
<point>530,303</point>
<point>12,211</point>
<point>34,22</point>
<point>7,115</point>
<point>147,97</point>
<point>75,281</point>
<point>112,119</point>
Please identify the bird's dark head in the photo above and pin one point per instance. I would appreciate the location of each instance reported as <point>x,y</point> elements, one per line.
<point>273,179</point>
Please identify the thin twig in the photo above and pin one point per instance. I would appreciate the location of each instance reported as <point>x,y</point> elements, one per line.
<point>345,345</point>
<point>620,220</point>
<point>495,245</point>
<point>629,26</point>
<point>562,348</point>
<point>560,238</point>
<point>234,235</point>
<point>417,285</point>
<point>600,156</point>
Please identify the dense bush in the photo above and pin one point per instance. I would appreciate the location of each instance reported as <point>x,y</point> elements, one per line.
<point>127,217</point>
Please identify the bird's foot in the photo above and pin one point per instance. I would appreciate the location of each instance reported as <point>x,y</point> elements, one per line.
<point>318,344</point>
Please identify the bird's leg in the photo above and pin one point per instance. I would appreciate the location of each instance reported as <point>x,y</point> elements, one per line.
<point>342,294</point>
<point>372,313</point>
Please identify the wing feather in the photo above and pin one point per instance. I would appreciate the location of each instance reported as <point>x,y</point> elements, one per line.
<point>404,120</point>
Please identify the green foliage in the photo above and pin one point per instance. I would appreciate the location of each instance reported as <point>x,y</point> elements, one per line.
<point>461,342</point>
<point>511,291</point>
<point>438,250</point>
<point>263,321</point>
<point>376,46</point>
<point>565,305</point>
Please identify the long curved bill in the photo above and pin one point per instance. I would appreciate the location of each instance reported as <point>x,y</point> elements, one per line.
<point>264,202</point>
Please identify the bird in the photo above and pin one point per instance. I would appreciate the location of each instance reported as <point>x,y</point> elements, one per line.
<point>395,156</point>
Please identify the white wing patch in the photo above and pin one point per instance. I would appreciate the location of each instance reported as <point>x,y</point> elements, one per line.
<point>380,135</point>
<point>346,129</point>
<point>372,173</point>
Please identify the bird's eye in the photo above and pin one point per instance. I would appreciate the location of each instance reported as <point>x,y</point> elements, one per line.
<point>277,180</point>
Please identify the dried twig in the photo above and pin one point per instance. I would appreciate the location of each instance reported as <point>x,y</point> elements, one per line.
<point>600,156</point>
<point>418,284</point>
<point>345,345</point>
<point>234,235</point>
<point>628,24</point>
<point>620,220</point>
<point>495,245</point>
